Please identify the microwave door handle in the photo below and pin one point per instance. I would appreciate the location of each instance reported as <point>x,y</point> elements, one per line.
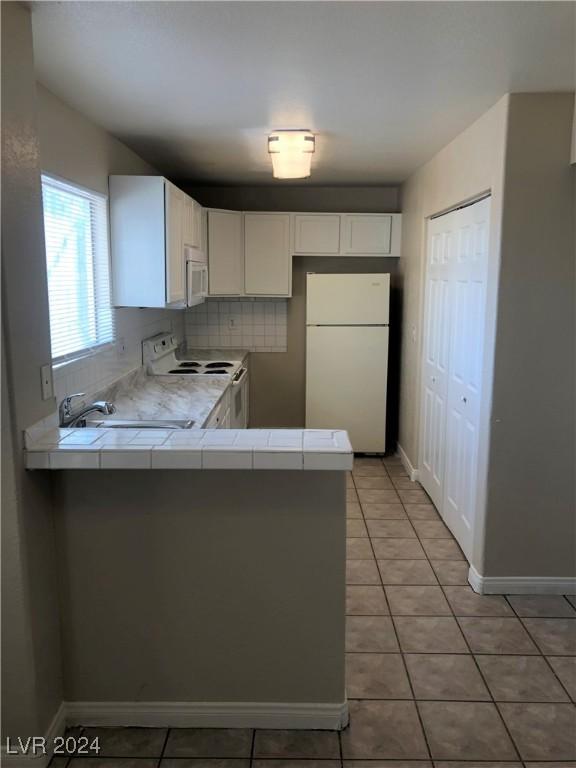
<point>204,281</point>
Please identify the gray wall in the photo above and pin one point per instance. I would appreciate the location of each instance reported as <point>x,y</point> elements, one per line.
<point>284,196</point>
<point>471,164</point>
<point>277,383</point>
<point>519,150</point>
<point>531,505</point>
<point>278,394</point>
<point>31,661</point>
<point>74,148</point>
<point>217,586</point>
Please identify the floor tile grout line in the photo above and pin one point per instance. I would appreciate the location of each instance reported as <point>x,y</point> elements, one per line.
<point>451,615</point>
<point>168,731</point>
<point>541,652</point>
<point>522,620</point>
<point>436,653</point>
<point>436,700</point>
<point>252,747</point>
<point>486,686</point>
<point>494,703</point>
<point>404,665</point>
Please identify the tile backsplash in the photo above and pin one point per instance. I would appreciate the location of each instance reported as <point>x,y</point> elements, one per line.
<point>97,371</point>
<point>259,325</point>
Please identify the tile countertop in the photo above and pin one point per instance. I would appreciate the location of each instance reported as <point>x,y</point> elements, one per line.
<point>101,448</point>
<point>138,396</point>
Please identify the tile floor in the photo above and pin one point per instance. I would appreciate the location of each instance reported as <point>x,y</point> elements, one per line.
<point>436,674</point>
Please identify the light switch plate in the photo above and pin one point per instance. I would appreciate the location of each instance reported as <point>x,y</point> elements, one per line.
<point>47,385</point>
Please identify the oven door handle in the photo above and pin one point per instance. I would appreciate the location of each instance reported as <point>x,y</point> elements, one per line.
<point>239,377</point>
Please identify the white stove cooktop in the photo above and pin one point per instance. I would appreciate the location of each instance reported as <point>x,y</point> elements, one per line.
<point>159,357</point>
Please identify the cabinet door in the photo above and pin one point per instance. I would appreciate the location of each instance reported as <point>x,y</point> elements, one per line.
<point>317,234</point>
<point>192,223</point>
<point>188,226</point>
<point>175,262</point>
<point>267,259</point>
<point>225,262</point>
<point>197,225</point>
<point>366,234</point>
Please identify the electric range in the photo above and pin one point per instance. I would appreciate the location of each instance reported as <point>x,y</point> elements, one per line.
<point>159,357</point>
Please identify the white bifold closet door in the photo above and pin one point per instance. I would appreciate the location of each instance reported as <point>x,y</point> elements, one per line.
<point>454,323</point>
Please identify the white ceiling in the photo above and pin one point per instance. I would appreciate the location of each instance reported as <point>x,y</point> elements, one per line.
<point>195,87</point>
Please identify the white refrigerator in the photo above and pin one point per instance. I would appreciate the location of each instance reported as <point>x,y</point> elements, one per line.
<point>347,356</point>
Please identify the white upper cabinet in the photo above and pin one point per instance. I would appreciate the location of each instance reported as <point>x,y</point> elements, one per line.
<point>175,260</point>
<point>347,234</point>
<point>368,234</point>
<point>267,257</point>
<point>225,253</point>
<point>192,224</point>
<point>317,234</point>
<point>147,221</point>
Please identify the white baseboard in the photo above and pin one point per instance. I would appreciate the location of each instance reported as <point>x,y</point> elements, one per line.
<point>320,716</point>
<point>56,728</point>
<point>323,716</point>
<point>412,471</point>
<point>521,585</point>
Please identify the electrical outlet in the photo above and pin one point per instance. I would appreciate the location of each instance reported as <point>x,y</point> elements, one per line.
<point>232,324</point>
<point>47,385</point>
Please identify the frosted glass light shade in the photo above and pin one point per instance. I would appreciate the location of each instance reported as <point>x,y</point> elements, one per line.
<point>291,153</point>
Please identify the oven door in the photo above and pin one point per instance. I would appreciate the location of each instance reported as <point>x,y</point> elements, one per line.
<point>197,282</point>
<point>239,404</point>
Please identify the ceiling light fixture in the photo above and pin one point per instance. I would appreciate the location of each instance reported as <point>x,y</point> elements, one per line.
<point>291,152</point>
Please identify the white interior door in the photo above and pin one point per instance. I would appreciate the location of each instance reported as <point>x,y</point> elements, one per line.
<point>436,357</point>
<point>346,374</point>
<point>454,325</point>
<point>469,272</point>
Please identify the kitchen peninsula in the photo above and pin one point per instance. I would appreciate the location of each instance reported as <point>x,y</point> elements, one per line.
<point>206,594</point>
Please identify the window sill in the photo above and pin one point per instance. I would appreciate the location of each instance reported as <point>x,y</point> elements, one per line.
<point>84,355</point>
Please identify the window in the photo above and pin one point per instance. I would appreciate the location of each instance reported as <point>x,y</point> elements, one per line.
<point>77,256</point>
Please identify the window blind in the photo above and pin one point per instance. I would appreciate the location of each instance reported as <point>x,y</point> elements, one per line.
<point>78,263</point>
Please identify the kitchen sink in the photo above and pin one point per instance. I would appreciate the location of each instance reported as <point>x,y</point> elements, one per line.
<point>132,424</point>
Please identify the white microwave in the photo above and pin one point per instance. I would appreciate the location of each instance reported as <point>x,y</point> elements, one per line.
<point>196,282</point>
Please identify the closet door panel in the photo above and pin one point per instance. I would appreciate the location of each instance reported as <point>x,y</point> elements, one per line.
<point>465,370</point>
<point>436,360</point>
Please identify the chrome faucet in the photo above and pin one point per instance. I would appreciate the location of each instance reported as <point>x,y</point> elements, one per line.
<point>67,419</point>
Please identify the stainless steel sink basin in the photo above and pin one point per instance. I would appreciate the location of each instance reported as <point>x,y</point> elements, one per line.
<point>128,424</point>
